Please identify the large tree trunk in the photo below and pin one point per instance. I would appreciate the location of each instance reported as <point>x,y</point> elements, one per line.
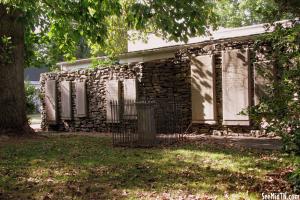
<point>13,118</point>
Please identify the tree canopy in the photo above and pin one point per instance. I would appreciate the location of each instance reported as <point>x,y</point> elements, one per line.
<point>69,29</point>
<point>56,27</point>
<point>235,13</point>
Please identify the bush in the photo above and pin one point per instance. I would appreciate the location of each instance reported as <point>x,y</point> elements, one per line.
<point>295,180</point>
<point>280,107</point>
<point>30,93</point>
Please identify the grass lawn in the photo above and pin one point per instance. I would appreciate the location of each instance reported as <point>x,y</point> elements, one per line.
<point>85,167</point>
<point>35,118</point>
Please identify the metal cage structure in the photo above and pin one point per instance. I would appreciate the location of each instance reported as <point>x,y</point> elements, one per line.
<point>145,123</point>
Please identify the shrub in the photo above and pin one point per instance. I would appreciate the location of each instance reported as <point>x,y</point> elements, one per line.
<point>30,94</point>
<point>280,107</point>
<point>295,180</point>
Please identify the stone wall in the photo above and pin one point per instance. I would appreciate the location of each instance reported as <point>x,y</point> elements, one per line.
<point>166,80</point>
<point>157,80</point>
<point>216,49</point>
<point>96,104</point>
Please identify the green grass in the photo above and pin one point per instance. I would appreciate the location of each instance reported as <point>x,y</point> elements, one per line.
<point>83,167</point>
<point>35,118</point>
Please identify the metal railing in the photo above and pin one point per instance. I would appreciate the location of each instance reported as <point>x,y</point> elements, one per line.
<point>145,123</point>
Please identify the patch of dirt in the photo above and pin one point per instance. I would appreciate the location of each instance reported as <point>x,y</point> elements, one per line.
<point>91,134</point>
<point>247,142</point>
<point>4,139</point>
<point>240,142</point>
<point>277,181</point>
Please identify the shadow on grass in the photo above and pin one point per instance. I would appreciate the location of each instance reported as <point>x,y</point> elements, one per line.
<point>90,168</point>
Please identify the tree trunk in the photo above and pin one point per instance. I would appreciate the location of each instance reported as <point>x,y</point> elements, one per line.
<point>13,118</point>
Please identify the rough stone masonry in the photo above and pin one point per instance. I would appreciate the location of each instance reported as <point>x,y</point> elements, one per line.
<point>159,80</point>
<point>208,80</point>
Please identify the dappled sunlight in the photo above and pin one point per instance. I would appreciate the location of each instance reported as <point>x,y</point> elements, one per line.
<point>216,160</point>
<point>89,167</point>
<point>57,174</point>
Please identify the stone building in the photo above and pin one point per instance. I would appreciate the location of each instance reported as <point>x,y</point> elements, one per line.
<point>213,77</point>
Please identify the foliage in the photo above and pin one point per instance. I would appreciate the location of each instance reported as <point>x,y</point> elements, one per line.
<point>280,106</point>
<point>30,94</point>
<point>102,62</point>
<point>236,13</point>
<point>290,6</point>
<point>174,20</point>
<point>117,36</point>
<point>55,27</point>
<point>6,50</point>
<point>227,13</point>
<point>58,167</point>
<point>233,13</point>
<point>295,180</point>
<point>68,29</point>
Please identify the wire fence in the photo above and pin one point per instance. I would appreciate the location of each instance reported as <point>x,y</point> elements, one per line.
<point>145,123</point>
